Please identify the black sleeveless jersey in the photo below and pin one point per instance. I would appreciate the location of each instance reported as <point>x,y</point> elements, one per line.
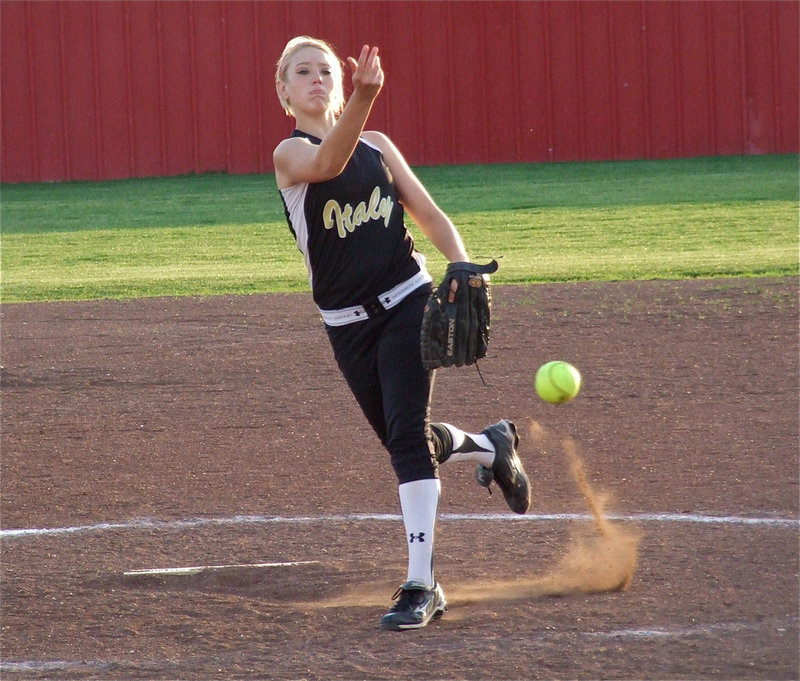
<point>351,232</point>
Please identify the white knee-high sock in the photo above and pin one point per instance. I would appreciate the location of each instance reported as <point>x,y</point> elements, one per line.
<point>470,447</point>
<point>419,501</point>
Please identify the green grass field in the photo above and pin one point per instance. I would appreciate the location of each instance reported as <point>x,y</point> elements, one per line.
<point>218,234</point>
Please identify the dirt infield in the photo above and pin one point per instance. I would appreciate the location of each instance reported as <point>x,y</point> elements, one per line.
<point>174,433</point>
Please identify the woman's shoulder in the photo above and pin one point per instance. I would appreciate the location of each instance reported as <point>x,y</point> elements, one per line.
<point>285,146</point>
<point>385,146</point>
<point>285,156</point>
<point>376,139</point>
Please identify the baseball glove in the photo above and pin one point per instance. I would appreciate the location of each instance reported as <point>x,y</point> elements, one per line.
<point>456,332</point>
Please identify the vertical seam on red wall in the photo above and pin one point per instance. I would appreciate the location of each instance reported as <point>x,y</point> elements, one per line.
<point>418,75</point>
<point>387,103</point>
<point>193,87</point>
<point>612,85</point>
<point>577,36</point>
<point>259,88</point>
<point>744,140</point>
<point>677,59</point>
<point>712,90</point>
<point>645,72</point>
<point>516,84</point>
<point>482,110</point>
<point>353,14</point>
<point>775,69</point>
<point>62,59</point>
<point>548,83</point>
<point>33,110</point>
<point>226,87</point>
<point>451,110</point>
<point>162,106</point>
<point>126,34</point>
<point>97,99</point>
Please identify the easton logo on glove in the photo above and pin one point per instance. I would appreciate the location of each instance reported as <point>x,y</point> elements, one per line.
<point>455,333</point>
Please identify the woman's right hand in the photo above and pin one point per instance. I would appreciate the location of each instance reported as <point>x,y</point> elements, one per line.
<point>367,73</point>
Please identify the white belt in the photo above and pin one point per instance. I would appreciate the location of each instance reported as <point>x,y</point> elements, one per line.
<point>385,301</point>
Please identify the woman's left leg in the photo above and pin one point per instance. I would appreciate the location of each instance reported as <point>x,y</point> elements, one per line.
<point>406,386</point>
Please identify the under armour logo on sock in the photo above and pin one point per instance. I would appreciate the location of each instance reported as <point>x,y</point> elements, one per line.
<point>420,537</point>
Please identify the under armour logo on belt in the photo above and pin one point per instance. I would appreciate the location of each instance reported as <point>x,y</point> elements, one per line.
<point>420,537</point>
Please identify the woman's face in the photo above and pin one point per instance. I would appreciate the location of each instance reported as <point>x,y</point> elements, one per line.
<point>312,83</point>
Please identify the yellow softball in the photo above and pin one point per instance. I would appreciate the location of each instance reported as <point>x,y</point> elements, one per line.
<point>557,382</point>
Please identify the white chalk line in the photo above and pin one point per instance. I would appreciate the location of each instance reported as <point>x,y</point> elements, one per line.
<point>778,625</point>
<point>149,524</point>
<point>197,569</point>
<point>52,665</point>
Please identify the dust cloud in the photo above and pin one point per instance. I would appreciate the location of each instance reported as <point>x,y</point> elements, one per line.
<point>600,556</point>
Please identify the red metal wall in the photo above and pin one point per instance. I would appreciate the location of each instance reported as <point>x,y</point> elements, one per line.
<point>95,90</point>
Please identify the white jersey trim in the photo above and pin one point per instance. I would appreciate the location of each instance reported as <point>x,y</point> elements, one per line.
<point>294,197</point>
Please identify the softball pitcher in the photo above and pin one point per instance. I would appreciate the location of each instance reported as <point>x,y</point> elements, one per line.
<point>345,191</point>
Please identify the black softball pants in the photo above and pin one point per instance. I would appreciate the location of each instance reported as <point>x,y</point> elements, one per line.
<point>381,362</point>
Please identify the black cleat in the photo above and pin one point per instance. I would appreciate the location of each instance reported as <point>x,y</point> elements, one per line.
<point>507,469</point>
<point>416,605</point>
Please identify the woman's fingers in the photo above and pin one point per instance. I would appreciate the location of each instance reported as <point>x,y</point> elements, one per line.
<point>367,69</point>
<point>451,296</point>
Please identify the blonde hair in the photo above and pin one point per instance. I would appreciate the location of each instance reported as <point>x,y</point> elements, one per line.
<point>292,48</point>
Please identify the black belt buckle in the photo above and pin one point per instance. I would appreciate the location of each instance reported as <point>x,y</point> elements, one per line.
<point>374,308</point>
